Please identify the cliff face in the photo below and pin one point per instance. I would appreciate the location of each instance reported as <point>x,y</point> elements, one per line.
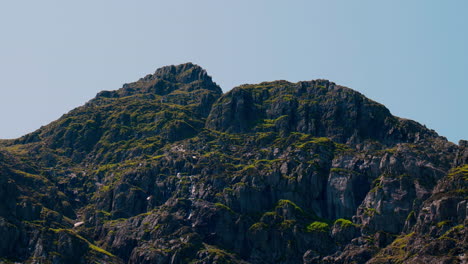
<point>171,170</point>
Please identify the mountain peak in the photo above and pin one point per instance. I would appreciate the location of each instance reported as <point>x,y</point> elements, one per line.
<point>183,73</point>
<point>184,77</point>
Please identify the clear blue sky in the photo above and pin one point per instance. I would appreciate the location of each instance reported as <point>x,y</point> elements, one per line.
<point>411,56</point>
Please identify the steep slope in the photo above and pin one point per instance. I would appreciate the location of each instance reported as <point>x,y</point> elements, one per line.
<point>35,219</point>
<point>170,170</point>
<point>167,106</point>
<point>114,127</point>
<point>436,232</point>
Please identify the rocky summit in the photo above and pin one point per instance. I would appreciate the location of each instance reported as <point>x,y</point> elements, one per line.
<point>169,169</point>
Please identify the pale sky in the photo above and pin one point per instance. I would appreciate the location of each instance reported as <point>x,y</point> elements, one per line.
<point>412,56</point>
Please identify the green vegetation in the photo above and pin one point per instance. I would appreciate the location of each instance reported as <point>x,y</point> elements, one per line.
<point>368,211</point>
<point>225,207</point>
<point>388,150</point>
<point>377,183</point>
<point>267,124</point>
<point>443,223</point>
<point>258,226</point>
<point>462,170</point>
<point>157,157</point>
<point>344,223</point>
<point>284,203</point>
<point>319,141</point>
<point>287,224</point>
<point>90,245</point>
<point>396,252</point>
<point>30,176</point>
<point>218,252</point>
<point>317,226</point>
<point>342,171</point>
<point>342,148</point>
<point>220,255</point>
<point>105,213</point>
<point>100,250</point>
<point>269,214</point>
<point>410,215</point>
<point>452,231</point>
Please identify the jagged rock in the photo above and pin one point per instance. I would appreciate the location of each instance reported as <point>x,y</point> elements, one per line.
<point>343,231</point>
<point>462,153</point>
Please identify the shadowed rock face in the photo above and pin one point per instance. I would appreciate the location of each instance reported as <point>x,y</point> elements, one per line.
<point>170,170</point>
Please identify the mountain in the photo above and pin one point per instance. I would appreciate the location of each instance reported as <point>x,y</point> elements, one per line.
<point>168,169</point>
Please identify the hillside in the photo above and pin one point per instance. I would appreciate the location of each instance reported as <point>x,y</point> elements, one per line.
<point>168,169</point>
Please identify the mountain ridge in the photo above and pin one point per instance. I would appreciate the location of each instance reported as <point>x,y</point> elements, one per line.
<point>168,72</point>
